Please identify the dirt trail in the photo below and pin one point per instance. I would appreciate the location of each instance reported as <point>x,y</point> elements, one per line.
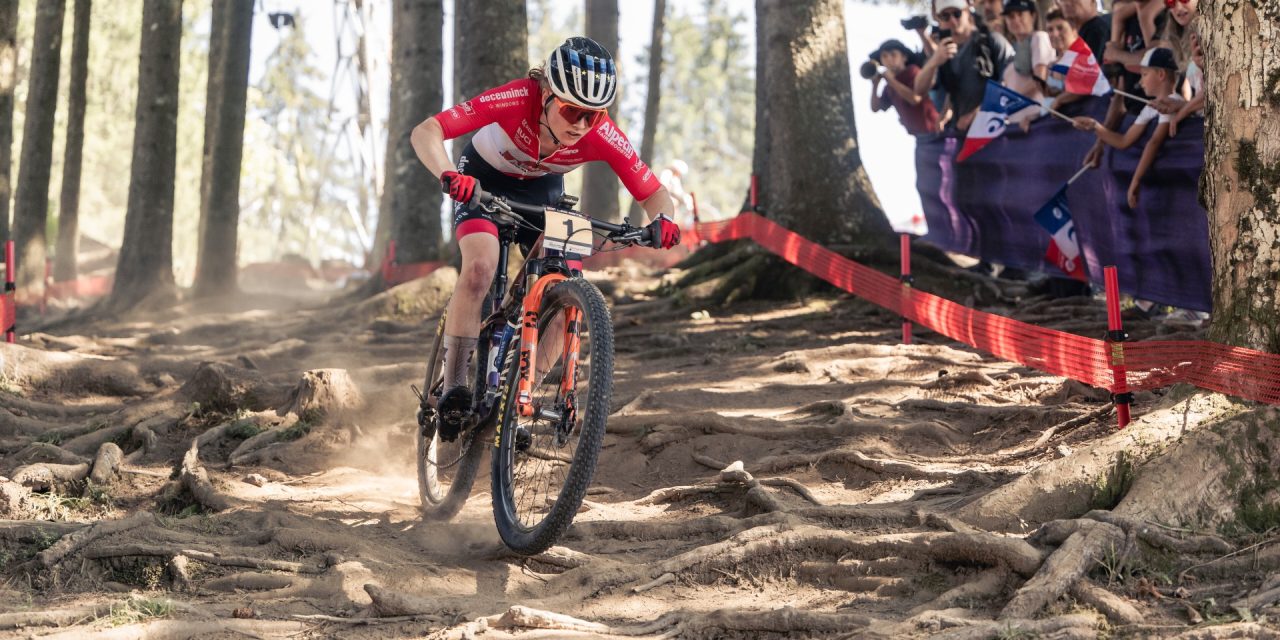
<point>848,458</point>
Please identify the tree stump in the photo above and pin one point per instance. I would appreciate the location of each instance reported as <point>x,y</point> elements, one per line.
<point>324,395</point>
<point>222,387</point>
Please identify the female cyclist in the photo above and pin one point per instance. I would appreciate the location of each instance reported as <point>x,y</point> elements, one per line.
<point>532,131</point>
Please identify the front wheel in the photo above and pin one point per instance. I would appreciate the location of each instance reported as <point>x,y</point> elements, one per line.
<point>543,463</point>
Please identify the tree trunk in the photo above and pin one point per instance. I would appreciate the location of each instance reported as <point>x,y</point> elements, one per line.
<point>64,265</point>
<point>31,203</point>
<point>760,151</point>
<point>224,144</point>
<point>653,96</point>
<point>1241,176</point>
<point>411,197</point>
<point>8,79</point>
<point>490,44</point>
<point>599,184</point>
<point>811,176</point>
<point>144,272</point>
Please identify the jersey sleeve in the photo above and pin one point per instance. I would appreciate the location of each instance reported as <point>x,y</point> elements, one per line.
<point>488,107</point>
<point>613,147</point>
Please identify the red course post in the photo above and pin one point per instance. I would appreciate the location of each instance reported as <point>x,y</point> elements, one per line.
<point>1115,341</point>
<point>754,201</point>
<point>8,312</point>
<point>905,252</point>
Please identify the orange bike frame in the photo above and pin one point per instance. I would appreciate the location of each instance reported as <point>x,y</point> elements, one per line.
<point>529,343</point>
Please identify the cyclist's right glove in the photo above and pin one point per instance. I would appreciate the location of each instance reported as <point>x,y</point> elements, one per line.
<point>460,187</point>
<point>664,233</point>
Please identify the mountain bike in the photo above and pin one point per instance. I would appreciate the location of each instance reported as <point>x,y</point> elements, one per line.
<point>543,376</point>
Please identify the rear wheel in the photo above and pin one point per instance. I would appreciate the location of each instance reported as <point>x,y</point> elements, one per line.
<point>544,463</point>
<point>446,470</point>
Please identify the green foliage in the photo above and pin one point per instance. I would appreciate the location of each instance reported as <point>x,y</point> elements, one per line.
<point>296,430</point>
<point>137,609</point>
<point>1112,487</point>
<point>707,114</point>
<point>244,429</point>
<point>298,175</point>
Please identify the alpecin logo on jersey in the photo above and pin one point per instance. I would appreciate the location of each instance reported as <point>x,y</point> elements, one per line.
<point>522,92</point>
<point>614,137</point>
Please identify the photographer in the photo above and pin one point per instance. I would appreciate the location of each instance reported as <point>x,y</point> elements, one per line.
<point>967,55</point>
<point>920,25</point>
<point>899,70</point>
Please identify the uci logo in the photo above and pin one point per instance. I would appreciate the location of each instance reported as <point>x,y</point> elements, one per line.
<point>1057,213</point>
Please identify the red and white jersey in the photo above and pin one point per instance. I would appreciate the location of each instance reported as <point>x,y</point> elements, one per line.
<point>508,141</point>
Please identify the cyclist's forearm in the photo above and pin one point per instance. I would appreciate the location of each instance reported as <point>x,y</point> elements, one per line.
<point>428,142</point>
<point>659,202</point>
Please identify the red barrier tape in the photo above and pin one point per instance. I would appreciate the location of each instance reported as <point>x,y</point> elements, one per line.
<point>1245,373</point>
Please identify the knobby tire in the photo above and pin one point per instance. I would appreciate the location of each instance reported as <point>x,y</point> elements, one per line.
<point>510,487</point>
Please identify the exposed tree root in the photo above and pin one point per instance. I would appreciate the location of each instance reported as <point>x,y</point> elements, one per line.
<point>36,530</point>
<point>846,576</point>
<point>781,539</point>
<point>1109,604</point>
<point>1013,628</point>
<point>46,476</point>
<point>106,465</point>
<point>194,478</point>
<point>1064,567</point>
<point>249,581</point>
<point>53,617</point>
<point>987,584</point>
<point>38,452</point>
<point>682,624</point>
<point>1152,535</point>
<point>186,629</point>
<point>388,603</point>
<point>79,539</point>
<point>166,551</point>
<point>893,468</point>
<point>680,530</point>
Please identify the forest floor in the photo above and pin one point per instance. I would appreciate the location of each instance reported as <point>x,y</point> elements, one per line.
<point>231,515</point>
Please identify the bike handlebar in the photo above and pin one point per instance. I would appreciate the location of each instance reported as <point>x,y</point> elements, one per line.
<point>618,233</point>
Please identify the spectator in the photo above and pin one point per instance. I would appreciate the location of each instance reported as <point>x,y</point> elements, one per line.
<point>901,66</point>
<point>1145,11</point>
<point>1177,31</point>
<point>1159,71</point>
<point>1177,108</point>
<point>993,15</point>
<point>967,56</point>
<point>1061,36</point>
<point>1129,50</point>
<point>1094,28</point>
<point>1032,55</point>
<point>672,177</point>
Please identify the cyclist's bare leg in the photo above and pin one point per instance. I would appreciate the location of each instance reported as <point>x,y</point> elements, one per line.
<point>479,261</point>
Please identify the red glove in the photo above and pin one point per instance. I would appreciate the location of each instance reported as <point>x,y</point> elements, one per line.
<point>663,232</point>
<point>459,187</point>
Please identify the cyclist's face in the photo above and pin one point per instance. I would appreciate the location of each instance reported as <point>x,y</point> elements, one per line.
<point>557,116</point>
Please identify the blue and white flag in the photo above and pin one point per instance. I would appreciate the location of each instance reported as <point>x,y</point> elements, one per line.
<point>1064,250</point>
<point>989,122</point>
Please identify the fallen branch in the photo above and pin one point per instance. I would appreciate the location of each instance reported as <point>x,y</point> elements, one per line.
<point>665,578</point>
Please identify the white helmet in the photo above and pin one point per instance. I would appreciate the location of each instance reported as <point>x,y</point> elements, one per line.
<point>581,72</point>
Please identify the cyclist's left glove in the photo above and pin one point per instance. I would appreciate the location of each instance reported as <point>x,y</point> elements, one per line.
<point>459,186</point>
<point>663,232</point>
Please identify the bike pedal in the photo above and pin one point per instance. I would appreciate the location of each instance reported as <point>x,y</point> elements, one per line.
<point>453,413</point>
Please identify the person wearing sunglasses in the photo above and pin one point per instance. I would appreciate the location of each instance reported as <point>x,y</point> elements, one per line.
<point>966,56</point>
<point>531,132</point>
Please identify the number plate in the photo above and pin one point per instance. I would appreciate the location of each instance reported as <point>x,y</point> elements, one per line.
<point>568,232</point>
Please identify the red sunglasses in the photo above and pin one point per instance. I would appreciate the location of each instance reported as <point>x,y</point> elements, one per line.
<point>573,113</point>
<point>1170,3</point>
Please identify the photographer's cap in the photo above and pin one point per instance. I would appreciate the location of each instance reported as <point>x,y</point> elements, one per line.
<point>890,45</point>
<point>1019,5</point>
<point>1159,58</point>
<point>941,5</point>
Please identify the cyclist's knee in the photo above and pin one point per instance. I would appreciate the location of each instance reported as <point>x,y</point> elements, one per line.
<point>476,275</point>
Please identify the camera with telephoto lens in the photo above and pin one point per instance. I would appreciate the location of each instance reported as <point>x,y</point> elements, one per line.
<point>915,22</point>
<point>869,69</point>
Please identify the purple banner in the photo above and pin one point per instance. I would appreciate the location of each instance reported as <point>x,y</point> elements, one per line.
<point>983,207</point>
